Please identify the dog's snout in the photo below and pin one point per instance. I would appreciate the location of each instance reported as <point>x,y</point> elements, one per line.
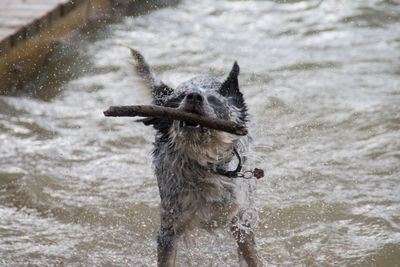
<point>194,98</point>
<point>194,103</point>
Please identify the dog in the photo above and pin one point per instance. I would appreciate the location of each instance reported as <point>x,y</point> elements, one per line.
<point>198,170</point>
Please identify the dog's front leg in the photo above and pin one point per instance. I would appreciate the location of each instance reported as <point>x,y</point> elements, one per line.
<point>166,247</point>
<point>244,237</point>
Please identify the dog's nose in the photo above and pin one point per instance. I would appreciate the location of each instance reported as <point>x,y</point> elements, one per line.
<point>194,98</point>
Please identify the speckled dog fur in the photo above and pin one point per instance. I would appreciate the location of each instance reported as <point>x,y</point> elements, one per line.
<point>186,159</point>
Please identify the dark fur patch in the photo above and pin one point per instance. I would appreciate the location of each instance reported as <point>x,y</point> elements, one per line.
<point>160,124</point>
<point>161,93</point>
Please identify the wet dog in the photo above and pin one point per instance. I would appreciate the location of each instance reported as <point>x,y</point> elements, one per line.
<point>199,171</point>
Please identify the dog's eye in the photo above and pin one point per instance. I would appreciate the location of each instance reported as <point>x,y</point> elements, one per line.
<point>213,100</point>
<point>220,109</point>
<point>175,101</point>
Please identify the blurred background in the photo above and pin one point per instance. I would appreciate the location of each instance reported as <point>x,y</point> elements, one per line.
<point>322,82</point>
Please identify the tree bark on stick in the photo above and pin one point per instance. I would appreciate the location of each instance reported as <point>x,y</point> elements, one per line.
<point>175,114</point>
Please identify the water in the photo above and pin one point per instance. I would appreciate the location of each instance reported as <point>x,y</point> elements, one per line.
<point>322,81</point>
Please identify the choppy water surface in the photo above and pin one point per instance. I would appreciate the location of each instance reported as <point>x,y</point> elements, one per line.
<point>322,81</point>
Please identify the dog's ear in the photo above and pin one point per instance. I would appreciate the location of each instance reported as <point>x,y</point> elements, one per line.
<point>230,87</point>
<point>160,90</point>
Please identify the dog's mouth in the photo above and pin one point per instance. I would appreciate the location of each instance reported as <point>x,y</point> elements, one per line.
<point>192,127</point>
<point>187,124</point>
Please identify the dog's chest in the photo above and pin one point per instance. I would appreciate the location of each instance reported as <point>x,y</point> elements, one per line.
<point>193,193</point>
<point>211,204</point>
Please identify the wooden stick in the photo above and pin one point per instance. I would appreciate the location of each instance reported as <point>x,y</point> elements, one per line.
<point>175,114</point>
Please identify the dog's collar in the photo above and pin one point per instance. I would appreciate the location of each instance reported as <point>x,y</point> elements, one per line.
<point>231,174</point>
<point>258,173</point>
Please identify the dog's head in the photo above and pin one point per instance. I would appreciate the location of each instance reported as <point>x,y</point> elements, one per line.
<point>205,96</point>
